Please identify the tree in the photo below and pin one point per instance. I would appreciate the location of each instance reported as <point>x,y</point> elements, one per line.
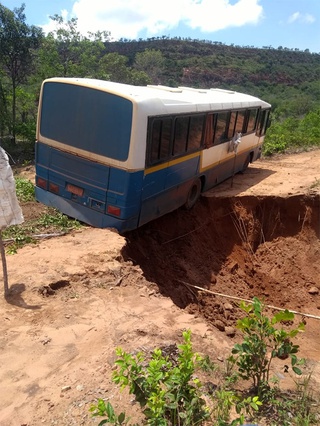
<point>48,60</point>
<point>4,116</point>
<point>115,67</point>
<point>91,52</point>
<point>77,54</point>
<point>150,61</point>
<point>17,43</point>
<point>67,40</point>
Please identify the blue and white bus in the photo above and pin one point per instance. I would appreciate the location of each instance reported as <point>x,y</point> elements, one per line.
<point>119,156</point>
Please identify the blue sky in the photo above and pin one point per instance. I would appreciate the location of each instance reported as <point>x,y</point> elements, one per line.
<point>286,23</point>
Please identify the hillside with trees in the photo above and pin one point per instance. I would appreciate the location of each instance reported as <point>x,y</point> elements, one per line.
<point>286,78</point>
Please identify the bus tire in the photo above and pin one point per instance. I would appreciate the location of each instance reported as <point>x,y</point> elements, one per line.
<point>193,194</point>
<point>246,163</point>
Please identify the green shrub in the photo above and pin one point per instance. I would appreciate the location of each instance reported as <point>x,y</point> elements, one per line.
<point>263,342</point>
<point>24,190</point>
<point>293,133</point>
<point>169,394</point>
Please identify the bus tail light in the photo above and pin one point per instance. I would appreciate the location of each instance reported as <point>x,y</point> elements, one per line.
<point>116,211</point>
<point>75,190</point>
<point>41,183</point>
<point>53,188</point>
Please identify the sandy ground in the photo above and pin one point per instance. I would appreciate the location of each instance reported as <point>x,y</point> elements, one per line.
<point>281,176</point>
<point>74,299</point>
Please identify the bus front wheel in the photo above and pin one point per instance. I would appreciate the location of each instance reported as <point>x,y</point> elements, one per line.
<point>193,194</point>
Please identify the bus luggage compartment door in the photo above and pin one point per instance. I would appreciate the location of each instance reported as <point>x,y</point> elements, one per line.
<point>166,189</point>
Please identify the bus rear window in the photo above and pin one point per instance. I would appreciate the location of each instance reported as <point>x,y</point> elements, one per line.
<point>87,119</point>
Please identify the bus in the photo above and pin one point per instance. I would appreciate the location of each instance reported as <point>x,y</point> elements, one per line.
<point>118,156</point>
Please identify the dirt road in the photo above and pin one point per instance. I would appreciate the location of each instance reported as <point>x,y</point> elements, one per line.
<point>75,298</point>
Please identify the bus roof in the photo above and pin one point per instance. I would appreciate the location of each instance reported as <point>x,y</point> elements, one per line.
<point>170,96</point>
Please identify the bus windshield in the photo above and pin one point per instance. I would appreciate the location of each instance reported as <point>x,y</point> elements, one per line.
<point>86,118</point>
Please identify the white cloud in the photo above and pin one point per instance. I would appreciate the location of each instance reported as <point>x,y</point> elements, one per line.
<point>309,19</point>
<point>211,16</point>
<point>51,25</point>
<point>128,18</point>
<point>305,18</point>
<point>294,17</point>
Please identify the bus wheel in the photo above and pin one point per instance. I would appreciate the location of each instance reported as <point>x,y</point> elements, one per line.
<point>193,194</point>
<point>246,163</point>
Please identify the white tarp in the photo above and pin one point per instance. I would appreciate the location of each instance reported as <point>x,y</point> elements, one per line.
<point>10,211</point>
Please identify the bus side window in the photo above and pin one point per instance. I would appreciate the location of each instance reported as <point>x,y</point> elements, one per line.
<point>180,135</point>
<point>232,124</point>
<point>165,138</point>
<point>263,121</point>
<point>160,140</point>
<point>195,132</point>
<point>211,120</point>
<point>240,122</point>
<point>267,122</point>
<point>252,120</point>
<point>155,141</point>
<point>221,127</point>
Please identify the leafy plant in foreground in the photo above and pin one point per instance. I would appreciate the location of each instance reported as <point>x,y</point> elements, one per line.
<point>224,400</point>
<point>57,220</point>
<point>263,342</point>
<point>167,391</point>
<point>105,409</point>
<point>24,189</point>
<point>170,395</point>
<point>17,236</point>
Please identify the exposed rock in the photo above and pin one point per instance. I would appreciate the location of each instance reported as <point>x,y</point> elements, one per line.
<point>219,324</point>
<point>228,307</point>
<point>230,331</point>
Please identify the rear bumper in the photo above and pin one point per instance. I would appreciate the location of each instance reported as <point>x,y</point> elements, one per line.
<point>83,213</point>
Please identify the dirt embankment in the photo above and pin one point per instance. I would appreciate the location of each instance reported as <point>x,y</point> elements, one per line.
<point>75,298</point>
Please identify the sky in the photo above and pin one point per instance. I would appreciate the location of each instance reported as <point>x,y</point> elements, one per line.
<point>287,23</point>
